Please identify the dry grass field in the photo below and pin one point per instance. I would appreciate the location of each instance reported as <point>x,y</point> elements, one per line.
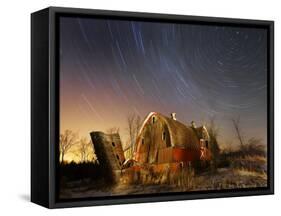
<point>239,169</point>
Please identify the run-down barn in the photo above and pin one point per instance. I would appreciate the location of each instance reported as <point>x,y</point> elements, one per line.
<point>165,140</point>
<point>163,145</point>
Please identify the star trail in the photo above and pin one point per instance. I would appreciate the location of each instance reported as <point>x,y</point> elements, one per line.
<point>112,68</point>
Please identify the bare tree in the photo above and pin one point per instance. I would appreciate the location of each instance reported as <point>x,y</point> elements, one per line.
<point>67,141</point>
<point>137,125</point>
<point>237,127</point>
<point>113,130</point>
<point>254,141</point>
<point>252,146</point>
<point>134,124</point>
<point>84,149</point>
<point>213,131</point>
<point>130,122</point>
<point>256,146</point>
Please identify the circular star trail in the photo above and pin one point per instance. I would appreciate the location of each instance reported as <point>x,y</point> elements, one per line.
<point>111,68</point>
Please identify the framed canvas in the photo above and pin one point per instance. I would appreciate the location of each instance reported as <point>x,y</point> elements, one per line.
<point>139,107</point>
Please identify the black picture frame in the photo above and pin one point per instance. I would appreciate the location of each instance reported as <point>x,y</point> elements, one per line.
<point>45,108</point>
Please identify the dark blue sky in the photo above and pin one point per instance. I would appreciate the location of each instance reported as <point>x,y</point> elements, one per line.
<point>112,68</point>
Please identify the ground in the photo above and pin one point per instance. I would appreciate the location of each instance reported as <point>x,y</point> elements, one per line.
<point>223,178</point>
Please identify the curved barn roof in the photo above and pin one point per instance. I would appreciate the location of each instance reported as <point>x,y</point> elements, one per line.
<point>180,135</point>
<point>202,132</point>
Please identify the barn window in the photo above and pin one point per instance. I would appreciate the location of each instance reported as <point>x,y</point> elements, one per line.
<point>113,144</point>
<point>153,119</point>
<point>142,141</point>
<point>164,136</point>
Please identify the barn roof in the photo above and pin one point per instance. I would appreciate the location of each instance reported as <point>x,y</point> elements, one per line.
<point>180,134</point>
<point>202,132</point>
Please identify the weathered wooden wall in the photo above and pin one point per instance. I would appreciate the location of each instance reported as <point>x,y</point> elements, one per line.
<point>108,149</point>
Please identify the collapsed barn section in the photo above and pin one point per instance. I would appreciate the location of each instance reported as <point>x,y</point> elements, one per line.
<point>164,149</point>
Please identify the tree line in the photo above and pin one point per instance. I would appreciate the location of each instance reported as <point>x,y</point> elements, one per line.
<point>70,143</point>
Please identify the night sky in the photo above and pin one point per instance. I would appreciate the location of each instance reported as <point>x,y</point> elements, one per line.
<point>111,68</point>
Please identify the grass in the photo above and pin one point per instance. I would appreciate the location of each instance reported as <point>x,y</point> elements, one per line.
<point>243,168</point>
